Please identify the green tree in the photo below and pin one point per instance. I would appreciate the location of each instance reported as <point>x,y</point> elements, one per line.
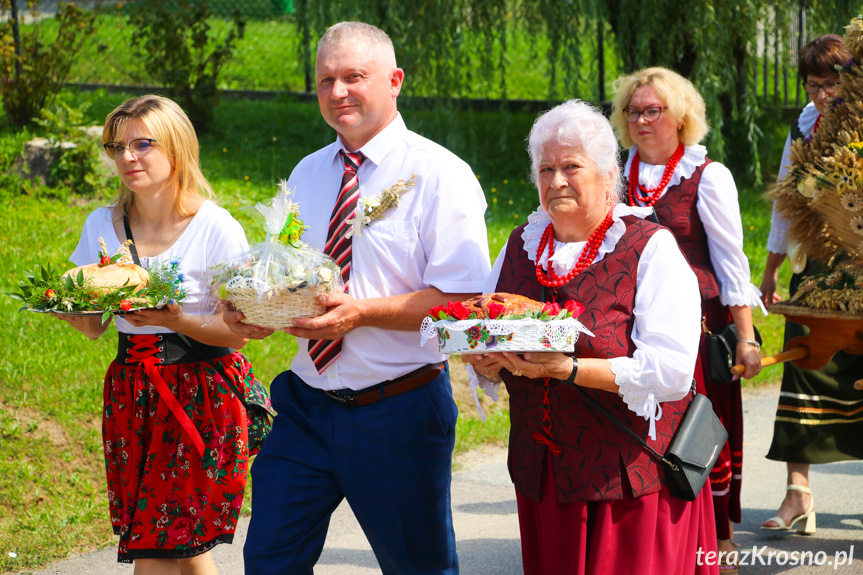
<point>182,52</point>
<point>34,64</point>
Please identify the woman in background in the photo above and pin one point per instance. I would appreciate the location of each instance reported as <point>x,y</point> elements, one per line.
<point>817,417</point>
<point>660,117</point>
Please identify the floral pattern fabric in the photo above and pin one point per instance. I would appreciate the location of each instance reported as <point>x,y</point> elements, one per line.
<point>167,500</point>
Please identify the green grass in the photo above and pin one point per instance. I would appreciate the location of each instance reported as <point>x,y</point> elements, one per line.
<point>52,500</point>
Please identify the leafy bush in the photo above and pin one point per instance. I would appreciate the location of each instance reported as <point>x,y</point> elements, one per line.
<point>179,51</point>
<point>34,65</point>
<point>79,168</point>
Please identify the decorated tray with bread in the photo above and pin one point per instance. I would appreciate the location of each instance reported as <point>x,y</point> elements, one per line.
<point>114,285</point>
<point>504,322</point>
<point>280,278</point>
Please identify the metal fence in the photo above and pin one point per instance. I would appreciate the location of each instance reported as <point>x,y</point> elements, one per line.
<point>272,55</point>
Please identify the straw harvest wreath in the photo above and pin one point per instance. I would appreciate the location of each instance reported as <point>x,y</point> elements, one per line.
<point>822,197</point>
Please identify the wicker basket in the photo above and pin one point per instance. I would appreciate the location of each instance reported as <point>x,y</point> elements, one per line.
<point>278,311</point>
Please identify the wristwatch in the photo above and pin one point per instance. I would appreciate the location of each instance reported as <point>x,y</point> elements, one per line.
<point>571,379</point>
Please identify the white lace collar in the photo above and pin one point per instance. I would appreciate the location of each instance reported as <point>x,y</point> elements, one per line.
<point>651,174</point>
<point>566,254</point>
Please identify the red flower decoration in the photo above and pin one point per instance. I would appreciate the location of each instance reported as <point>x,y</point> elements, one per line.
<point>180,530</point>
<point>105,260</point>
<point>457,310</point>
<point>495,310</point>
<point>125,305</point>
<point>551,308</point>
<point>574,307</point>
<point>436,311</point>
<point>49,294</point>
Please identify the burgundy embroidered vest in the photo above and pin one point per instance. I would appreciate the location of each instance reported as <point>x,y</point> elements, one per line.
<point>678,211</point>
<point>593,452</point>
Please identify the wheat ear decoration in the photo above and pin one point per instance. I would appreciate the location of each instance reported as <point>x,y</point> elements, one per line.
<point>390,197</point>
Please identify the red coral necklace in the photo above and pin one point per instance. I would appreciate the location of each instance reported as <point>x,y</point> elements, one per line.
<point>588,254</point>
<point>649,196</point>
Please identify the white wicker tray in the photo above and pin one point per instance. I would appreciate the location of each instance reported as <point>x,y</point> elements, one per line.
<point>522,335</point>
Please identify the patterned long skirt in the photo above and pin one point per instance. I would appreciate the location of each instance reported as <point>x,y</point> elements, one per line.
<point>167,498</point>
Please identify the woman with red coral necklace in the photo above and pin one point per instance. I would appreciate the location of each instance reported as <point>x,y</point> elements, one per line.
<point>591,501</point>
<point>660,116</point>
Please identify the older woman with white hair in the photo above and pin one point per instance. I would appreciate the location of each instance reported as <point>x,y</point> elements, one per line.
<point>591,500</point>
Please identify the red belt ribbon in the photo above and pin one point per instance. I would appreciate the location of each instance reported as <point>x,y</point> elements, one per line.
<point>547,437</point>
<point>143,353</point>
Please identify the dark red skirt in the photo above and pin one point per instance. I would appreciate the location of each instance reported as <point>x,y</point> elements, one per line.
<point>655,534</point>
<point>727,399</point>
<point>167,500</point>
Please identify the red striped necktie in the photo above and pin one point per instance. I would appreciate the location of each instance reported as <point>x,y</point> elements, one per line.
<point>325,351</point>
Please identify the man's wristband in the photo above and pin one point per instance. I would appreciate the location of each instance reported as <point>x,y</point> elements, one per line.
<point>571,379</point>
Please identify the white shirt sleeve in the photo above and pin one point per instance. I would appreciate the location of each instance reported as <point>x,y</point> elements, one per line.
<point>777,241</point>
<point>453,232</point>
<point>720,213</point>
<point>666,331</point>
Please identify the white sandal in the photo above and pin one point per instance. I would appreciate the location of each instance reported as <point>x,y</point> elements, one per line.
<point>807,527</point>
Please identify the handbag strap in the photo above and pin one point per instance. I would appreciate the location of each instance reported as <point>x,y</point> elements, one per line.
<point>132,249</point>
<point>186,339</point>
<point>613,419</point>
<point>623,427</point>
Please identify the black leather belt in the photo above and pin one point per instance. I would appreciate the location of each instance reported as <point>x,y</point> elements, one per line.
<point>168,347</point>
<point>407,382</point>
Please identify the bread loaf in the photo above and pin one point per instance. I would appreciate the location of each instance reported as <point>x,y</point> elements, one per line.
<point>111,277</point>
<point>513,304</point>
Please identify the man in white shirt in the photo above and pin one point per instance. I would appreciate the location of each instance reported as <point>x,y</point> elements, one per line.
<point>375,424</point>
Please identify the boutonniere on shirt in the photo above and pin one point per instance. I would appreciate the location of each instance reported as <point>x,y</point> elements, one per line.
<point>373,207</point>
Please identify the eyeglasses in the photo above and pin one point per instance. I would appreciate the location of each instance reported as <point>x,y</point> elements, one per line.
<point>812,88</point>
<point>138,148</point>
<point>650,114</point>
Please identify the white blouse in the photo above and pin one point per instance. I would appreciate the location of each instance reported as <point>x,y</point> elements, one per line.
<point>211,237</point>
<point>720,213</point>
<point>667,313</point>
<point>777,241</point>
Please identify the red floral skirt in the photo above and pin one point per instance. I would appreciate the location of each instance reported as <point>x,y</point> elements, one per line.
<point>167,499</point>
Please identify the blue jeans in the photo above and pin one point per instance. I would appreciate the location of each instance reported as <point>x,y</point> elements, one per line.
<point>391,460</point>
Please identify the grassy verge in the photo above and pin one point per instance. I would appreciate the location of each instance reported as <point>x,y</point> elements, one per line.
<point>52,500</point>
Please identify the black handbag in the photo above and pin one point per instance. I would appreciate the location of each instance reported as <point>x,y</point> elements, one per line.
<point>721,349</point>
<point>694,449</point>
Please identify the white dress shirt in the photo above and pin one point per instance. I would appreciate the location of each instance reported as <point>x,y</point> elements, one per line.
<point>667,312</point>
<point>777,241</point>
<point>435,238</point>
<point>719,211</point>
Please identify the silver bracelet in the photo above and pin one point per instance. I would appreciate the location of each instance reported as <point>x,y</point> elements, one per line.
<point>754,344</point>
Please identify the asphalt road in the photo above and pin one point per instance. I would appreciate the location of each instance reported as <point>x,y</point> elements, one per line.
<point>486,523</point>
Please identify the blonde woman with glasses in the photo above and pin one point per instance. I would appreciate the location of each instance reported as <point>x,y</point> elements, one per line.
<point>660,117</point>
<point>175,435</point>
